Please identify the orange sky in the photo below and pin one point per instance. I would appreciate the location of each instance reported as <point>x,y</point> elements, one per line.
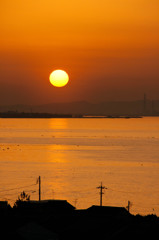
<point>110,49</point>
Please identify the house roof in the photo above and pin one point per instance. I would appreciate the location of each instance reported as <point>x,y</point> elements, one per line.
<point>55,205</point>
<point>107,210</point>
<point>52,202</point>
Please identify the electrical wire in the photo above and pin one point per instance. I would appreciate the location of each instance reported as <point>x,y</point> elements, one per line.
<point>11,189</point>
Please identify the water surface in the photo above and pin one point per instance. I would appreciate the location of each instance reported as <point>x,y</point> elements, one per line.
<point>73,156</point>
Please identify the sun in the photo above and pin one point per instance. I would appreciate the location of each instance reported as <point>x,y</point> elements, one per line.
<point>59,78</point>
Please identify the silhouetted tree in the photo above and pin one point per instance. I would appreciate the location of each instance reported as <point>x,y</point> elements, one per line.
<point>23,197</point>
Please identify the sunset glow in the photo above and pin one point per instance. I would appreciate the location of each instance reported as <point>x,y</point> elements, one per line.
<point>110,49</point>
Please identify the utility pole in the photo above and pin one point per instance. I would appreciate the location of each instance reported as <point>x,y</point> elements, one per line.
<point>129,205</point>
<point>101,192</point>
<point>39,181</point>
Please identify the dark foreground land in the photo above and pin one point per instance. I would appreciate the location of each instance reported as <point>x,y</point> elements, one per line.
<point>57,219</point>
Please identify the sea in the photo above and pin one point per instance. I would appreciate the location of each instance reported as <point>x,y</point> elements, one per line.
<point>74,156</point>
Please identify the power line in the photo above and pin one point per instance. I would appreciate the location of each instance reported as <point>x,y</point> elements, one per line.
<point>11,189</point>
<point>122,191</point>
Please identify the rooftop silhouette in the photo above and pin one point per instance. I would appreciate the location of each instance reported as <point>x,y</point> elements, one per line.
<point>58,220</point>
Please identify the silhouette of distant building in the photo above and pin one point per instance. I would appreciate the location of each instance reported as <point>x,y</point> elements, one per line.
<point>46,206</point>
<point>107,210</point>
